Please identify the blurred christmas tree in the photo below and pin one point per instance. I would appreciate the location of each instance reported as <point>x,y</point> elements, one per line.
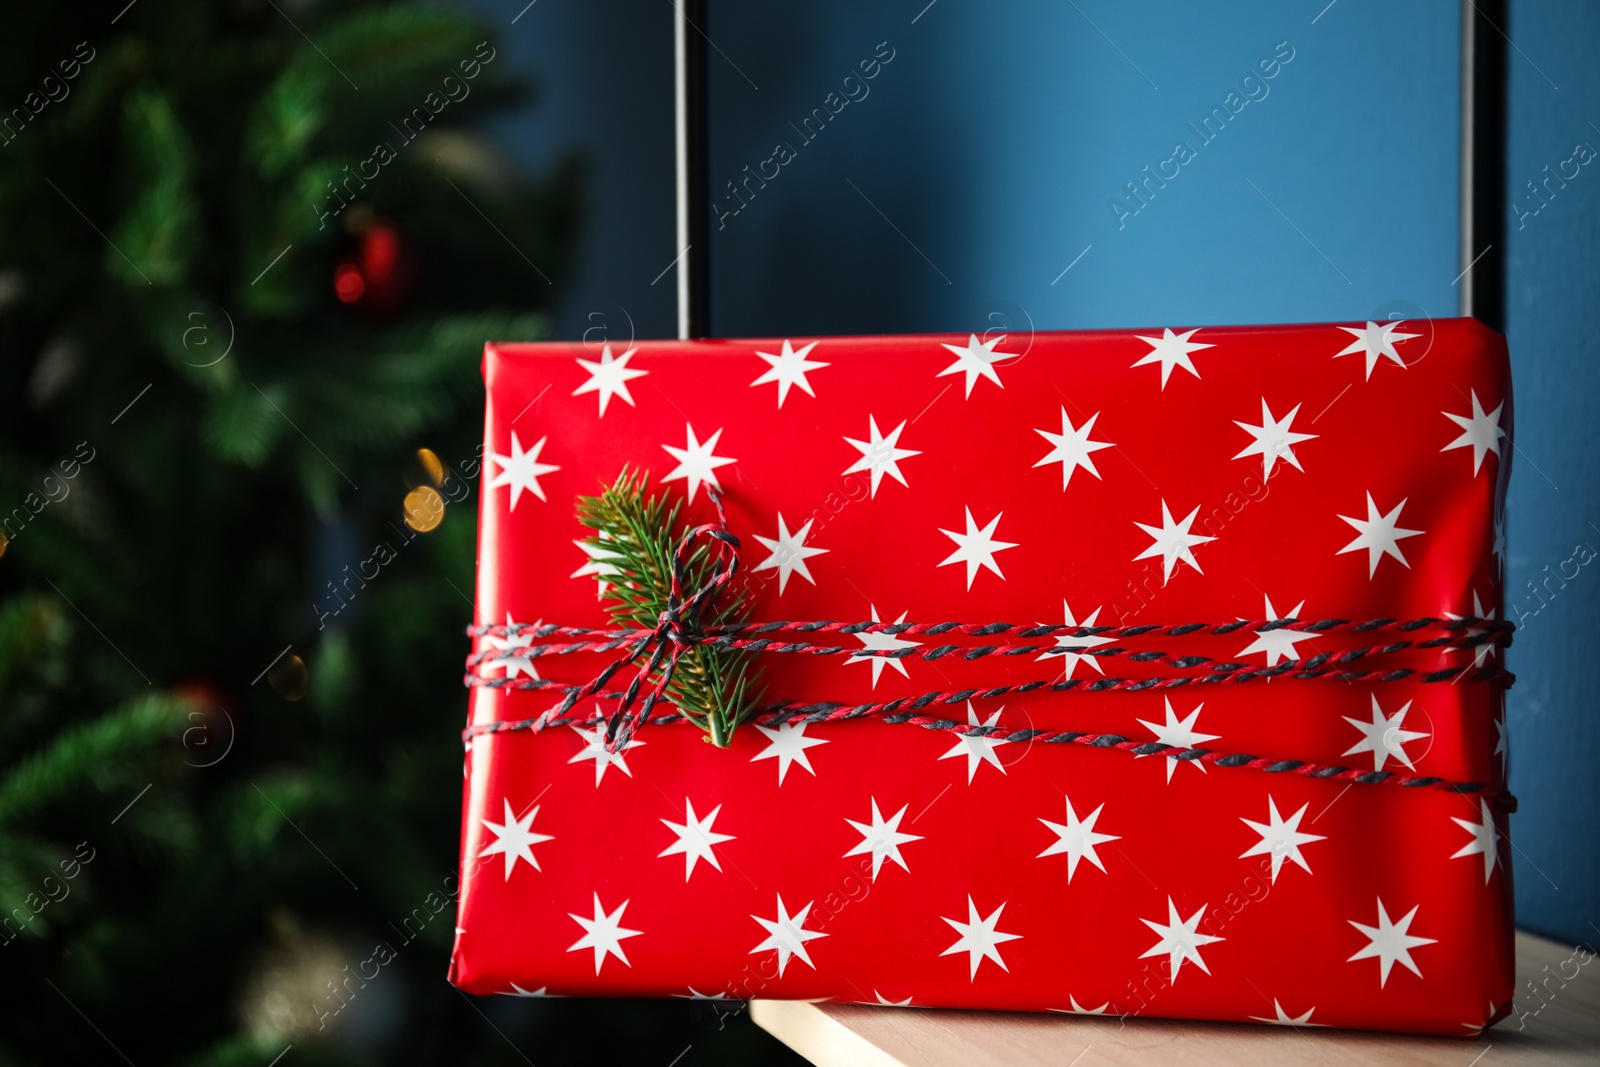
<point>249,254</point>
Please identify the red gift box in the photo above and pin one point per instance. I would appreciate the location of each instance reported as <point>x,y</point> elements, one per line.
<point>1354,872</point>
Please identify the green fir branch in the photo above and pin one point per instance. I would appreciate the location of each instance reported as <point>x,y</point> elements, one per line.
<point>637,538</point>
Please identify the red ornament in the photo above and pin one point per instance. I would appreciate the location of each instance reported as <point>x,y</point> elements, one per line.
<point>378,277</point>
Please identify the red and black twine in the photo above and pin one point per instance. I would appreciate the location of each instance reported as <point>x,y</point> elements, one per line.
<point>661,646</point>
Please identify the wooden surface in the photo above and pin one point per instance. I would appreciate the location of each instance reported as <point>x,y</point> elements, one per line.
<point>1561,1028</point>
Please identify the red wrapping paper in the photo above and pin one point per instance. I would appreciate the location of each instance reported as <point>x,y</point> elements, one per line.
<point>868,862</point>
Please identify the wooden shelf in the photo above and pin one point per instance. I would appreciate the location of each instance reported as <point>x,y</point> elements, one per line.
<point>1566,1030</point>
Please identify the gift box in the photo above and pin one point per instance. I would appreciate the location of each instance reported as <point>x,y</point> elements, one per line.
<point>1215,729</point>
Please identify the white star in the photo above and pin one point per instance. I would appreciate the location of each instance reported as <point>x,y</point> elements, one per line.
<point>1383,736</point>
<point>1379,534</point>
<point>603,933</point>
<point>788,368</point>
<point>521,470</point>
<point>882,838</point>
<point>695,994</point>
<point>695,838</point>
<point>513,665</point>
<point>1180,733</point>
<point>979,748</point>
<point>609,377</point>
<point>1072,447</point>
<point>787,744</point>
<point>1485,839</point>
<point>1281,838</point>
<point>1173,542</point>
<point>1283,1018</point>
<point>1502,745</point>
<point>1479,431</point>
<point>697,462</point>
<point>976,548</point>
<point>599,562</point>
<point>787,935</point>
<point>977,358</point>
<point>543,992</point>
<point>789,553</point>
<point>1070,660</point>
<point>1274,440</point>
<point>880,455</point>
<point>1499,548</point>
<point>1079,1009</point>
<point>1376,341</point>
<point>886,1002</point>
<point>1485,650</point>
<point>1171,350</point>
<point>1180,939</point>
<point>979,938</point>
<point>595,748</point>
<point>881,642</point>
<point>514,838</point>
<point>1077,839</point>
<point>1278,644</point>
<point>1391,942</point>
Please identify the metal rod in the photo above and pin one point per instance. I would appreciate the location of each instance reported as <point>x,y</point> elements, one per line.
<point>693,189</point>
<point>1483,161</point>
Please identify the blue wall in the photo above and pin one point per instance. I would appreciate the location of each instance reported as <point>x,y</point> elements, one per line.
<point>981,160</point>
<point>1553,323</point>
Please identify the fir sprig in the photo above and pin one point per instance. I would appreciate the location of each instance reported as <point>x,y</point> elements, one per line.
<point>637,538</point>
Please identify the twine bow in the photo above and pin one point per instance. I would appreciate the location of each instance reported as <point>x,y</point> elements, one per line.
<point>678,628</point>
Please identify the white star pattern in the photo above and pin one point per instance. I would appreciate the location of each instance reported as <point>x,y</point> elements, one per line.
<point>1077,839</point>
<point>1283,1018</point>
<point>1479,431</point>
<point>978,748</point>
<point>1379,534</point>
<point>609,377</point>
<point>879,998</point>
<point>603,933</point>
<point>1376,342</point>
<point>514,838</point>
<point>695,994</point>
<point>594,748</point>
<point>1173,542</point>
<point>1278,644</point>
<point>1391,942</point>
<point>1171,350</point>
<point>880,455</point>
<point>1070,660</point>
<point>541,993</point>
<point>979,938</point>
<point>788,368</point>
<point>787,935</point>
<point>1502,746</point>
<point>1281,838</point>
<point>1181,733</point>
<point>1485,650</point>
<point>1383,736</point>
<point>513,665</point>
<point>1079,1009</point>
<point>789,553</point>
<point>695,838</point>
<point>1485,839</point>
<point>976,548</point>
<point>882,838</point>
<point>1072,447</point>
<point>1274,440</point>
<point>521,470</point>
<point>599,562</point>
<point>1181,939</point>
<point>697,462</point>
<point>882,642</point>
<point>787,743</point>
<point>977,359</point>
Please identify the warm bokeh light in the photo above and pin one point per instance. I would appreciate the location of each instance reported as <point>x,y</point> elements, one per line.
<point>424,508</point>
<point>289,677</point>
<point>348,284</point>
<point>425,468</point>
